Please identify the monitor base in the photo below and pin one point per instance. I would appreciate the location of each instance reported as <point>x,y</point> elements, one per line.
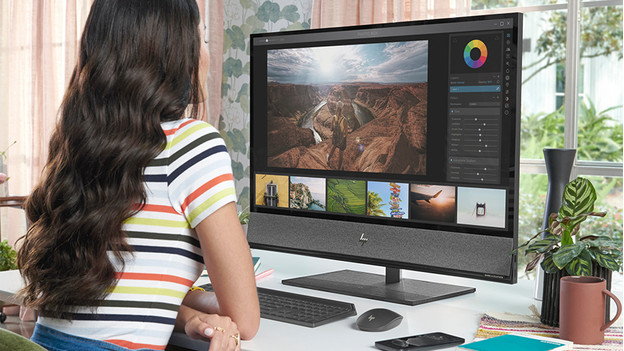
<point>390,288</point>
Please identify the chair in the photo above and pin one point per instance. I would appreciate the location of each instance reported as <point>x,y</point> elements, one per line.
<point>14,202</point>
<point>12,341</point>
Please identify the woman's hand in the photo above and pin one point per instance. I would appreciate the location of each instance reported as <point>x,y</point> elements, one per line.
<point>220,330</point>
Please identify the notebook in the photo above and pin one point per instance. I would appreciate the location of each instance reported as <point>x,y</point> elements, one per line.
<point>513,342</point>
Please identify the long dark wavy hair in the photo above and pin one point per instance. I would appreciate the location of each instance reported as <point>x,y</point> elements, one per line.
<point>138,66</point>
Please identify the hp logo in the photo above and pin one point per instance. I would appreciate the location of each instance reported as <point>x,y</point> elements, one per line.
<point>363,240</point>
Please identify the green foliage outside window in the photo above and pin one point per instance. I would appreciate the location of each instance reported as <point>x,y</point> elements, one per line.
<point>602,140</point>
<point>540,130</point>
<point>600,132</point>
<point>601,35</point>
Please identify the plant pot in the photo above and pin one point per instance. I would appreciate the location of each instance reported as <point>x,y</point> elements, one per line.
<point>550,298</point>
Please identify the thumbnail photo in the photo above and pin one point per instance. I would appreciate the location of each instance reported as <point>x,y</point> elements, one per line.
<point>359,108</point>
<point>388,199</point>
<point>271,190</point>
<point>481,206</point>
<point>307,193</point>
<point>346,196</point>
<point>435,203</point>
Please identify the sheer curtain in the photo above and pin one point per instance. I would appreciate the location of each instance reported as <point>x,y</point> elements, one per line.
<point>39,47</point>
<point>334,13</point>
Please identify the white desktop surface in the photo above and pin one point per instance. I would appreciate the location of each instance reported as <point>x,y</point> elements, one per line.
<point>457,316</point>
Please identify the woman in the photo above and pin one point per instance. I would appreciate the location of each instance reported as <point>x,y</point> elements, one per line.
<point>135,199</point>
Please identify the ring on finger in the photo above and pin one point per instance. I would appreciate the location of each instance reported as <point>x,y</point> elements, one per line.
<point>219,329</point>
<point>236,338</point>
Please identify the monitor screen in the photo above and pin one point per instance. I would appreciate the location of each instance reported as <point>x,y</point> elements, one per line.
<point>392,144</point>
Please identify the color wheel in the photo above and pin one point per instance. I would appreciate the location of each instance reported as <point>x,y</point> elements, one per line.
<point>475,44</point>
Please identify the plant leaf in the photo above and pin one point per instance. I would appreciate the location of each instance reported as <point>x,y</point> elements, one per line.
<point>237,37</point>
<point>531,265</point>
<point>246,4</point>
<point>548,265</point>
<point>269,11</point>
<point>237,170</point>
<point>566,238</point>
<point>606,260</point>
<point>528,242</point>
<point>554,225</point>
<point>604,243</point>
<point>543,245</point>
<point>580,265</point>
<point>579,197</point>
<point>566,254</point>
<point>289,12</point>
<point>238,141</point>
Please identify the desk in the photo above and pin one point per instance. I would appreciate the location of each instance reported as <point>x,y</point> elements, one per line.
<point>458,316</point>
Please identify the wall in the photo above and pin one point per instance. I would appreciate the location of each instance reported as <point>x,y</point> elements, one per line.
<point>242,18</point>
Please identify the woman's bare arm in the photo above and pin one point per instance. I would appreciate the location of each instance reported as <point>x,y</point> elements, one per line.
<point>228,261</point>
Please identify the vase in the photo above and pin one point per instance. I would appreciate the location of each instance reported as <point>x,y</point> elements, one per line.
<point>558,167</point>
<point>550,297</point>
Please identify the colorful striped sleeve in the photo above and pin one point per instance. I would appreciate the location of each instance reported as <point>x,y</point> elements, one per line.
<point>199,173</point>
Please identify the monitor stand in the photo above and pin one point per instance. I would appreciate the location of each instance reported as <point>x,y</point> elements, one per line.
<point>389,288</point>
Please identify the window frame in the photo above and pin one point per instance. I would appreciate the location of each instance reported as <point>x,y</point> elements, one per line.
<point>580,167</point>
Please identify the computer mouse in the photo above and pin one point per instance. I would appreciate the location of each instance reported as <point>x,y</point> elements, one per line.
<point>378,319</point>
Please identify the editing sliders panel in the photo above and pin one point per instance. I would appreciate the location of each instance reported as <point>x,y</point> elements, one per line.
<point>476,87</point>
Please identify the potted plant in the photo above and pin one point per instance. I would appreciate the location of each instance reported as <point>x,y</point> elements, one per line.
<point>7,262</point>
<point>7,257</point>
<point>561,249</point>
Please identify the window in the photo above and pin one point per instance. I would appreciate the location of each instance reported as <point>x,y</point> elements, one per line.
<point>571,97</point>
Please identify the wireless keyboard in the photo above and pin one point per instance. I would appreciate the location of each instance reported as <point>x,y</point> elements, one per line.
<point>308,311</point>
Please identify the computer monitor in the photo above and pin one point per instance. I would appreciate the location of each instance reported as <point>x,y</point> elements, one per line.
<point>394,145</point>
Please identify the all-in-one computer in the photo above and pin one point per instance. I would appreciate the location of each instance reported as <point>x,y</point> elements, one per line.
<point>393,145</point>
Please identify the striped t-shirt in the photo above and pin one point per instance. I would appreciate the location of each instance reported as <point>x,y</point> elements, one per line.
<point>187,182</point>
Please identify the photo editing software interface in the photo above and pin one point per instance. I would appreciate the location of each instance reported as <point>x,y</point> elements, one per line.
<point>407,125</point>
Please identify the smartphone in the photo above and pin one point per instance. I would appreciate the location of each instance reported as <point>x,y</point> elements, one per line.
<point>430,341</point>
